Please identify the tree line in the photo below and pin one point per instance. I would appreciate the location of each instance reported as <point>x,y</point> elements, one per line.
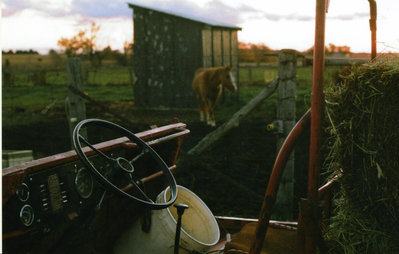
<point>249,52</point>
<point>20,52</point>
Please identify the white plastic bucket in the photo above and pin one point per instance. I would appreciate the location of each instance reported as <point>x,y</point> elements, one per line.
<point>200,230</point>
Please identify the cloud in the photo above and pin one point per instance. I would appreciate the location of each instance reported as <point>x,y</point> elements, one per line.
<point>214,10</point>
<point>32,29</point>
<point>94,8</point>
<point>102,8</point>
<point>300,17</point>
<point>219,11</point>
<point>357,15</point>
<point>59,7</point>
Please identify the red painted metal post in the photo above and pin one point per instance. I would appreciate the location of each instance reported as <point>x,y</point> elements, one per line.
<point>317,109</point>
<point>274,181</point>
<point>373,28</point>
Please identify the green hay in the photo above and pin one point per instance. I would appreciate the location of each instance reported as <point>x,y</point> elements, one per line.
<point>363,110</point>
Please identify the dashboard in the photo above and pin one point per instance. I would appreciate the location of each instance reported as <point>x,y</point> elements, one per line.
<point>56,205</point>
<point>65,190</point>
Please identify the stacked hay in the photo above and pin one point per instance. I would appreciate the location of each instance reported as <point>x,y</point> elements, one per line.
<point>363,110</point>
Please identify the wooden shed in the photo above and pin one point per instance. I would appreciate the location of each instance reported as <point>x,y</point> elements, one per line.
<point>168,48</point>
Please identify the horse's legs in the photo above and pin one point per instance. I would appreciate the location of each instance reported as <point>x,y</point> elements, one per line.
<point>202,109</point>
<point>207,112</point>
<point>201,104</point>
<point>202,117</point>
<point>210,117</point>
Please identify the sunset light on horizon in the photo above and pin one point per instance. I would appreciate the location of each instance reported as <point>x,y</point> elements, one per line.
<point>39,24</point>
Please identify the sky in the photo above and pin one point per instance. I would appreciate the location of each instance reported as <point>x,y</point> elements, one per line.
<point>39,24</point>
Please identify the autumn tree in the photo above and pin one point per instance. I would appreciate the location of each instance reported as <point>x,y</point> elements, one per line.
<point>250,52</point>
<point>84,43</point>
<point>331,49</point>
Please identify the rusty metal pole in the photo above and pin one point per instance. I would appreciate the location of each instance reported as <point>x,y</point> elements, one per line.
<point>317,109</point>
<point>373,28</point>
<point>274,181</point>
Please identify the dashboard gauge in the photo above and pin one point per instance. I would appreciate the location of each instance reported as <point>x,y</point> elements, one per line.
<point>27,215</point>
<point>23,192</point>
<point>84,183</point>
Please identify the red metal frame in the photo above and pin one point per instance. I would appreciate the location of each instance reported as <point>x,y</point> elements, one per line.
<point>373,28</point>
<point>272,187</point>
<point>317,109</point>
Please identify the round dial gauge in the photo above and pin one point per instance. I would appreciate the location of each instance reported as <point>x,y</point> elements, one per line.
<point>27,215</point>
<point>84,183</point>
<point>23,192</point>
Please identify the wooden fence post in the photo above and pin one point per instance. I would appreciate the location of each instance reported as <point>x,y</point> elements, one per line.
<point>286,117</point>
<point>75,104</point>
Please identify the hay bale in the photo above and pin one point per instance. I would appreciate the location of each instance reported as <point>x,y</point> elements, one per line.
<point>363,109</point>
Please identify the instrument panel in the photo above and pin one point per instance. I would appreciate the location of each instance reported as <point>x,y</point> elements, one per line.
<point>67,190</point>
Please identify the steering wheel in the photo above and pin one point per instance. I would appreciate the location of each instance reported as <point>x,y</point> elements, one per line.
<point>123,165</point>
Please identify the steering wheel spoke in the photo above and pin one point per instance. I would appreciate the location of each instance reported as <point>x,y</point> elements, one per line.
<point>144,151</point>
<point>95,149</point>
<point>135,183</point>
<point>119,166</point>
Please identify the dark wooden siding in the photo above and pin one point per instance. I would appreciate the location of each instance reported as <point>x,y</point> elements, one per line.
<point>207,47</point>
<point>167,51</point>
<point>188,58</point>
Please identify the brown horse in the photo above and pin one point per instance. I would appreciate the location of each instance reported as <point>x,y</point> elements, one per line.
<point>207,85</point>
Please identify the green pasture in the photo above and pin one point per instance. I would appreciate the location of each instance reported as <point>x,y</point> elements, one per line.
<point>114,84</point>
<point>55,77</point>
<point>258,74</point>
<point>27,96</point>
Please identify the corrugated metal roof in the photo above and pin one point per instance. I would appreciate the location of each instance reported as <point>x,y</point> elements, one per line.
<point>183,15</point>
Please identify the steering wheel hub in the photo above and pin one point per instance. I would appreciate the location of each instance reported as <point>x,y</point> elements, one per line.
<point>125,165</point>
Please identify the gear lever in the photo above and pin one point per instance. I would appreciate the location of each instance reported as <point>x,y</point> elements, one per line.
<point>180,210</point>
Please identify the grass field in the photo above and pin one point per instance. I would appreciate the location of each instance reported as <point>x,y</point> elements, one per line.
<point>27,90</point>
<point>34,62</point>
<point>55,77</point>
<point>27,96</point>
<point>114,84</point>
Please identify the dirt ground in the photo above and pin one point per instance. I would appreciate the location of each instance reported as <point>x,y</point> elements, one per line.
<point>231,177</point>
